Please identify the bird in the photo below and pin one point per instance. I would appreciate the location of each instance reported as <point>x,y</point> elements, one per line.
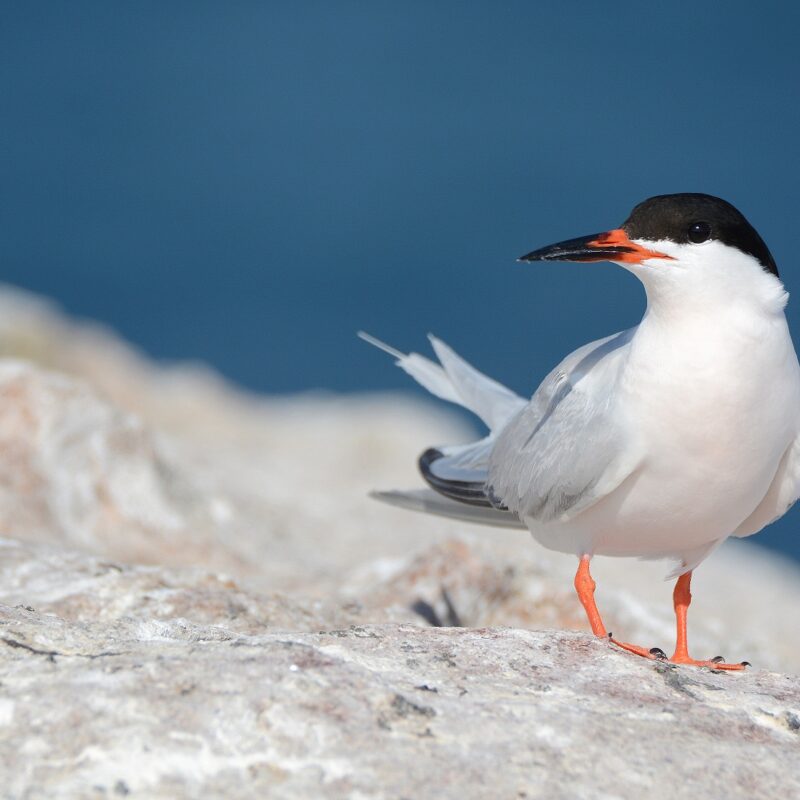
<point>657,442</point>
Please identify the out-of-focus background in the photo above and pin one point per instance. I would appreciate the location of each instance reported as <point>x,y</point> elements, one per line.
<point>246,184</point>
<point>200,204</point>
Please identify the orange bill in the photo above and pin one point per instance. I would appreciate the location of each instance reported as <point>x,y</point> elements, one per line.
<point>609,246</point>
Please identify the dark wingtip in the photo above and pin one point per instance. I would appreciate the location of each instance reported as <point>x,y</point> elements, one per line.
<point>427,458</point>
<point>469,492</point>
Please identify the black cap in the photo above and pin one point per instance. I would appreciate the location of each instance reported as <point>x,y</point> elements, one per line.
<point>689,217</point>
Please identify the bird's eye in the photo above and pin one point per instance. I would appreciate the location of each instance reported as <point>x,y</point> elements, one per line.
<point>699,232</point>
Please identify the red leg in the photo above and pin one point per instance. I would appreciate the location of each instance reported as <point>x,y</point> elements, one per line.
<point>681,599</point>
<point>585,586</point>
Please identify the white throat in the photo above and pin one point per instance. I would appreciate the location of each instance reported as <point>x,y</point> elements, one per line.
<point>707,279</point>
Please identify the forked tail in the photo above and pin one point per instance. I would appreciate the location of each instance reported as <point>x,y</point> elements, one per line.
<point>456,472</point>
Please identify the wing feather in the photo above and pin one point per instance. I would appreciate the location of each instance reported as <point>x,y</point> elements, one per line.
<point>781,496</point>
<point>568,447</point>
<point>430,502</point>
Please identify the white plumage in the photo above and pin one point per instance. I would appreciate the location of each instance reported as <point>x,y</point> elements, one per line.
<point>657,442</point>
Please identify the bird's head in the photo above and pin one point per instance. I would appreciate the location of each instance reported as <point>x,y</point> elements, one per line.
<point>680,244</point>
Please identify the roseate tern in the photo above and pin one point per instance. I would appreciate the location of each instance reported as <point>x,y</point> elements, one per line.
<point>660,441</point>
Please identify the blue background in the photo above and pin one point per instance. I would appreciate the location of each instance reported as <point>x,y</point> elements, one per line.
<point>249,183</point>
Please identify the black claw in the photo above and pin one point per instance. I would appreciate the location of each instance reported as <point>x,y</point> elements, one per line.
<point>658,653</point>
<point>746,664</point>
<point>717,659</point>
<point>610,635</point>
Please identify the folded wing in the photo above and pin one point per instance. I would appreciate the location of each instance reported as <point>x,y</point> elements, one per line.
<point>567,448</point>
<point>543,460</point>
<point>781,496</point>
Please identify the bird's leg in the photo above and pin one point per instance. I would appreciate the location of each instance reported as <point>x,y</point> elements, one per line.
<point>681,599</point>
<point>585,586</point>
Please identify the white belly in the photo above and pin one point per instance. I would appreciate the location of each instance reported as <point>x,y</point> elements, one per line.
<point>712,430</point>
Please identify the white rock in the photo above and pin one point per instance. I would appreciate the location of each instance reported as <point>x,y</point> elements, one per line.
<point>380,711</point>
<point>173,549</point>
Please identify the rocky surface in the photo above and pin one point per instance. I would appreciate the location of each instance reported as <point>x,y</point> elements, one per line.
<point>198,599</point>
<point>178,709</point>
<point>172,466</point>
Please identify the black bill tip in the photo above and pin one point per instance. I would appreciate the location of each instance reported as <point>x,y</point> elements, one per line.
<point>608,246</point>
<point>584,248</point>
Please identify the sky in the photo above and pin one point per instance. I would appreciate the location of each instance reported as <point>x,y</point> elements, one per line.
<point>248,184</point>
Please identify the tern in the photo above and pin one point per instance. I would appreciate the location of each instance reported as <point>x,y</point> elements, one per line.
<point>660,441</point>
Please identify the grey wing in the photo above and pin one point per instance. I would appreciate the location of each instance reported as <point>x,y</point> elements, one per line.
<point>567,448</point>
<point>430,502</point>
<point>781,496</point>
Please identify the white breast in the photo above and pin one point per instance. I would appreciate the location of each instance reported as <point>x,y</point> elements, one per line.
<point>715,403</point>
